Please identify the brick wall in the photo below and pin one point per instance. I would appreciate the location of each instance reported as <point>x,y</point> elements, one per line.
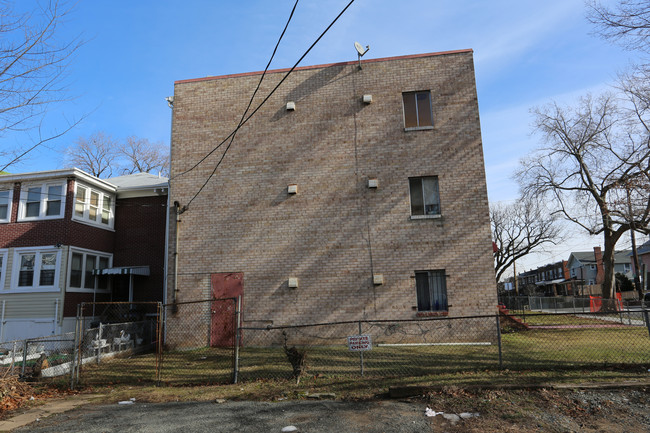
<point>54,231</point>
<point>140,241</point>
<point>336,232</point>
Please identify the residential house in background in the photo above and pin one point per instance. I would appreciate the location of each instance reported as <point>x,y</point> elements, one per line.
<point>586,267</point>
<point>549,280</point>
<point>65,236</point>
<point>353,193</point>
<point>644,259</point>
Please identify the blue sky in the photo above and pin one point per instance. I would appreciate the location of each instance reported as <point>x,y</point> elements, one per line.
<point>526,53</point>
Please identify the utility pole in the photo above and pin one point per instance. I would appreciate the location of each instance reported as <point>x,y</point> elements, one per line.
<point>514,265</point>
<point>637,281</point>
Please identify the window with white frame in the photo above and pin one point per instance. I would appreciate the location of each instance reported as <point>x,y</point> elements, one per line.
<point>36,269</point>
<point>93,206</point>
<point>425,197</point>
<point>431,290</point>
<point>44,201</point>
<point>417,110</point>
<point>5,205</point>
<point>82,275</point>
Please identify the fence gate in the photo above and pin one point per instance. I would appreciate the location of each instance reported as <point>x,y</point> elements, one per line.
<point>117,342</point>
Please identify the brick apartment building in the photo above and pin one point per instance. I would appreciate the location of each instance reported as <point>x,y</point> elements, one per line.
<point>353,193</point>
<point>67,237</point>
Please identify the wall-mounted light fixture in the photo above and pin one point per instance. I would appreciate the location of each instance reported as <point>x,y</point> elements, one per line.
<point>378,279</point>
<point>292,189</point>
<point>367,99</point>
<point>291,106</point>
<point>293,283</point>
<point>373,183</point>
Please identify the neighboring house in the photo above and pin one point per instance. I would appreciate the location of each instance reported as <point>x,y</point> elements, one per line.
<point>587,267</point>
<point>62,234</point>
<point>550,280</point>
<point>644,259</point>
<point>353,193</point>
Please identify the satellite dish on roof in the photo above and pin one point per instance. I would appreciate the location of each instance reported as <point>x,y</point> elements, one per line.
<point>361,51</point>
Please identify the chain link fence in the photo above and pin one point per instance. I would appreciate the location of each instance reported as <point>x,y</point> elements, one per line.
<point>43,357</point>
<point>117,343</point>
<point>200,341</point>
<point>206,342</point>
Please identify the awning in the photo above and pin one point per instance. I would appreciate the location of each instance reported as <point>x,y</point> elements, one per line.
<point>123,270</point>
<point>545,283</point>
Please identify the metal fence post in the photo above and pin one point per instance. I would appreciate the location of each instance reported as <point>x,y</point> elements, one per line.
<point>25,345</point>
<point>75,351</point>
<point>646,319</point>
<point>235,372</point>
<point>361,351</point>
<point>499,342</point>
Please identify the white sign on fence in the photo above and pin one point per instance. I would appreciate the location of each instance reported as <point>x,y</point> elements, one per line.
<point>359,343</point>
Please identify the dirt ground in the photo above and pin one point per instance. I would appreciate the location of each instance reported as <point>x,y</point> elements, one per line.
<point>541,410</point>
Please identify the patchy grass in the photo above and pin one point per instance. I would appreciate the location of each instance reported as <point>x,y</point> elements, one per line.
<point>365,388</point>
<point>534,356</point>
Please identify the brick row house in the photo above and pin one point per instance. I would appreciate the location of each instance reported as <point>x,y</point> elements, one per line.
<point>67,237</point>
<point>353,193</point>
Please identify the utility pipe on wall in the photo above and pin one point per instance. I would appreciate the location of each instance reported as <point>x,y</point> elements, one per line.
<point>2,323</point>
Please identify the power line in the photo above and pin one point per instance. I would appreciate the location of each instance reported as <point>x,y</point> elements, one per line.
<point>243,117</point>
<point>242,123</point>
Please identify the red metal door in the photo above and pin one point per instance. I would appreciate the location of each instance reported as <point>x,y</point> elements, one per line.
<point>225,285</point>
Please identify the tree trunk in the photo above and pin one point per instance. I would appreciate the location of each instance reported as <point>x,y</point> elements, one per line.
<point>608,265</point>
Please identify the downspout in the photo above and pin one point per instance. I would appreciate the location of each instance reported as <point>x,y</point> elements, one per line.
<point>177,207</point>
<point>166,259</point>
<point>56,316</point>
<point>2,322</point>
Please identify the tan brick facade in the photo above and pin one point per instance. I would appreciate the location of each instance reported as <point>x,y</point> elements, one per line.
<point>335,233</point>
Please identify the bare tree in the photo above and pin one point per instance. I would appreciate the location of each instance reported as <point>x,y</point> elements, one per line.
<point>143,156</point>
<point>95,155</point>
<point>594,167</point>
<point>627,24</point>
<point>32,67</point>
<point>103,156</point>
<point>519,229</point>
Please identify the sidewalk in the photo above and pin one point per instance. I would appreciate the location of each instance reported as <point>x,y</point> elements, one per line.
<point>51,407</point>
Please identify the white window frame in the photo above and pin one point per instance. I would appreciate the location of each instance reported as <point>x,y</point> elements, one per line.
<point>4,256</point>
<point>85,218</point>
<point>24,193</point>
<point>9,204</point>
<point>85,253</point>
<point>38,252</point>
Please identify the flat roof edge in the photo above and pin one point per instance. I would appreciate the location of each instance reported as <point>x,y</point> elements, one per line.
<point>304,68</point>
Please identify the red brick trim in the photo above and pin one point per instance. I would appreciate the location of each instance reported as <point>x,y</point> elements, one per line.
<point>305,68</point>
<point>432,313</point>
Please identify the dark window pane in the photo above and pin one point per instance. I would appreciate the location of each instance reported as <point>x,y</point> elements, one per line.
<point>53,200</point>
<point>410,110</point>
<point>431,290</point>
<point>102,280</point>
<point>422,291</point>
<point>75,270</point>
<point>417,204</point>
<point>431,197</point>
<point>89,278</point>
<point>4,204</point>
<point>48,269</point>
<point>26,273</point>
<point>424,109</point>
